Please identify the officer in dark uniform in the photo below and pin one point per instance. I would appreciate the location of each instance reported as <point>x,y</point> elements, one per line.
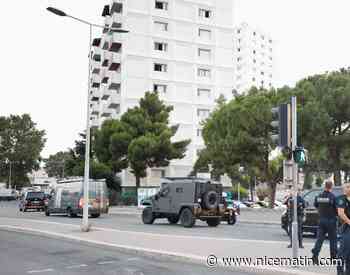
<point>300,215</point>
<point>343,206</point>
<point>326,205</point>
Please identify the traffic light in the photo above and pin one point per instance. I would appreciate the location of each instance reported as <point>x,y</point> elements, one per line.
<point>282,126</point>
<point>300,156</point>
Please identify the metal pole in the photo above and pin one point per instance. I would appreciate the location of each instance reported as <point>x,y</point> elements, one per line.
<point>85,225</point>
<point>238,192</point>
<point>10,175</point>
<point>295,182</point>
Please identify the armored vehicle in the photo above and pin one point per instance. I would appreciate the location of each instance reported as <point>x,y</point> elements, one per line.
<point>186,199</point>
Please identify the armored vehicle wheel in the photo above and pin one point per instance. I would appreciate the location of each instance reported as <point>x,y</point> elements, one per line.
<point>148,216</point>
<point>211,200</point>
<point>213,222</point>
<point>187,218</point>
<point>173,219</point>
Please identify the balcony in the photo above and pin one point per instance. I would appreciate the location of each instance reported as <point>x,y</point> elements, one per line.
<point>114,100</point>
<point>106,112</point>
<point>117,7</point>
<point>114,80</point>
<point>95,109</point>
<point>94,95</point>
<point>95,123</point>
<point>115,57</point>
<point>95,80</point>
<point>115,46</point>
<point>106,93</point>
<point>115,87</point>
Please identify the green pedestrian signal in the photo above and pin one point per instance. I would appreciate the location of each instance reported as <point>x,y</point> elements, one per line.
<point>300,156</point>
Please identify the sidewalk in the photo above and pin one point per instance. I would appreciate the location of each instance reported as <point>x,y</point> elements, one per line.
<point>191,248</point>
<point>248,215</point>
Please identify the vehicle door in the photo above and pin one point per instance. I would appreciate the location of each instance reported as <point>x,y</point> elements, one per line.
<point>312,217</point>
<point>164,199</point>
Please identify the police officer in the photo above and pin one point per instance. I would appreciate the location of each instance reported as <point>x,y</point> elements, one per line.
<point>326,205</point>
<point>343,207</point>
<point>300,215</point>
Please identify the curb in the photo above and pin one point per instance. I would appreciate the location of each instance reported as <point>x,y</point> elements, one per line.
<point>153,253</point>
<point>239,220</point>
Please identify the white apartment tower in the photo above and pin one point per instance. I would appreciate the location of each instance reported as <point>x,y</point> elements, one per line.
<point>253,50</point>
<point>180,48</point>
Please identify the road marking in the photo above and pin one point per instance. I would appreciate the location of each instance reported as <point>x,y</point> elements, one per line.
<point>76,266</point>
<point>106,262</point>
<point>40,271</point>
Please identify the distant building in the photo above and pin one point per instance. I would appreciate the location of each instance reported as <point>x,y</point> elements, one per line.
<point>180,48</point>
<point>253,51</point>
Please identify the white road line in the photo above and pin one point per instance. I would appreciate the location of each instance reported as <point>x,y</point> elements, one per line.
<point>105,262</point>
<point>76,266</point>
<point>40,271</point>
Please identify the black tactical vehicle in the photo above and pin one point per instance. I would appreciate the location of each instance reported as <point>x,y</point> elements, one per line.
<point>311,218</point>
<point>186,199</point>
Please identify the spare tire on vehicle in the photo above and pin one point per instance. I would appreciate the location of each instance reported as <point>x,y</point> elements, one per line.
<point>210,200</point>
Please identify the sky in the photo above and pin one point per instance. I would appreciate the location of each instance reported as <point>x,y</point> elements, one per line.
<point>44,62</point>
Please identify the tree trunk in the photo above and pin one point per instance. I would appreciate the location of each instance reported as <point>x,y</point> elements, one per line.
<point>138,180</point>
<point>337,178</point>
<point>273,186</point>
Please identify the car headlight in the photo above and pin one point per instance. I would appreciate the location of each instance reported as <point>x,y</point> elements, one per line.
<point>199,200</point>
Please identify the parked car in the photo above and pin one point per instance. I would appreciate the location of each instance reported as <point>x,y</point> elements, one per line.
<point>32,200</point>
<point>67,198</point>
<point>311,218</point>
<point>186,199</point>
<point>7,194</point>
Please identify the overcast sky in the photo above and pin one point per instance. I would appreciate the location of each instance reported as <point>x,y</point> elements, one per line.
<point>44,57</point>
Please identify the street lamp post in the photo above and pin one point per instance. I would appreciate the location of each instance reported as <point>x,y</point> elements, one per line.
<point>85,224</point>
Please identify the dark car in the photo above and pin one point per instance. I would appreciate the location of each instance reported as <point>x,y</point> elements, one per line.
<point>32,200</point>
<point>311,218</point>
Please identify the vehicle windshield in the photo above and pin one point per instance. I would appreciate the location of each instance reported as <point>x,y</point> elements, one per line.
<point>35,195</point>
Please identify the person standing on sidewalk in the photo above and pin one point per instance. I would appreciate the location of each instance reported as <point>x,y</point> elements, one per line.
<point>300,215</point>
<point>343,207</point>
<point>327,209</point>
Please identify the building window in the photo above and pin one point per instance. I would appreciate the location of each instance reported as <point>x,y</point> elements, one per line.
<point>263,37</point>
<point>203,13</point>
<point>239,31</point>
<point>203,113</point>
<point>199,132</point>
<point>254,61</point>
<point>270,41</point>
<point>203,73</point>
<point>254,52</point>
<point>254,33</point>
<point>262,73</point>
<point>205,34</point>
<point>204,53</point>
<point>253,79</point>
<point>161,26</point>
<point>161,5</point>
<point>163,47</point>
<point>160,67</point>
<point>160,88</point>
<point>239,49</point>
<point>203,92</point>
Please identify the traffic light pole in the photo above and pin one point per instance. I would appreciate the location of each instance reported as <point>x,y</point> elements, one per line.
<point>295,179</point>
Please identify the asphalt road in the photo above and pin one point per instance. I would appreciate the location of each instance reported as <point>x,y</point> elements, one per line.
<point>31,254</point>
<point>270,232</point>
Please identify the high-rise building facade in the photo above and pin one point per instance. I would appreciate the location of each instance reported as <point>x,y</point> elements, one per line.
<point>253,51</point>
<point>180,48</point>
